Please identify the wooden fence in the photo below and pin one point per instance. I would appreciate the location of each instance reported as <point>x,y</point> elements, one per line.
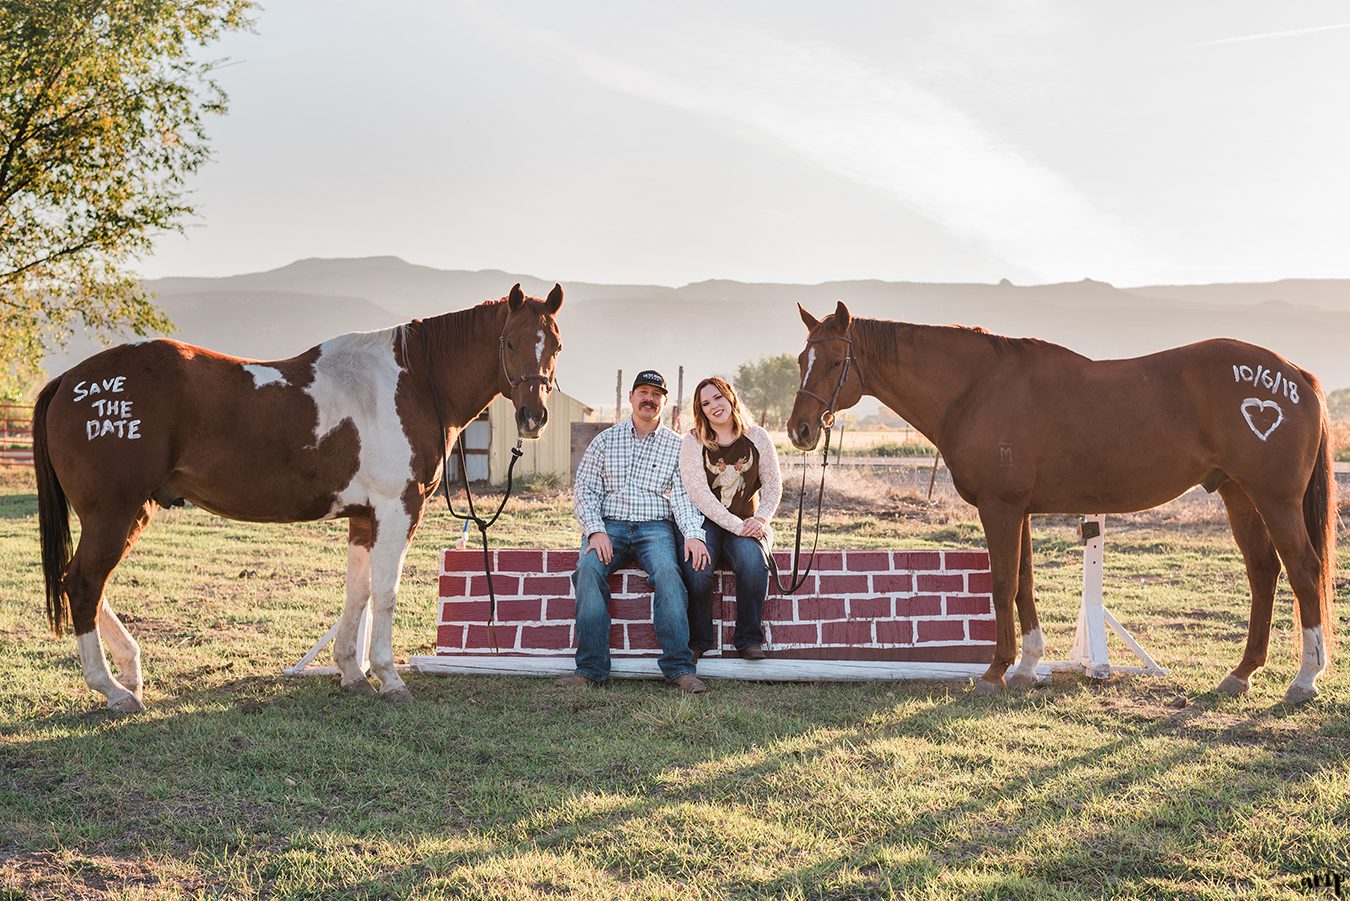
<point>16,435</point>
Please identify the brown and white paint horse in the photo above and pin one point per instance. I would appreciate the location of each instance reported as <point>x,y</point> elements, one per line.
<point>1026,427</point>
<point>349,428</point>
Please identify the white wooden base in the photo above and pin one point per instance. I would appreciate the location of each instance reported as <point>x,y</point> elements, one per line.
<point>1089,653</point>
<point>793,669</point>
<point>302,666</point>
<point>334,671</point>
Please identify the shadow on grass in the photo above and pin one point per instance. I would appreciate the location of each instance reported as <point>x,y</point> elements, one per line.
<point>279,773</point>
<point>18,506</point>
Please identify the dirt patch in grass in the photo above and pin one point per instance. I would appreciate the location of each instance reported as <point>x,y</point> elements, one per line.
<point>68,874</point>
<point>18,478</point>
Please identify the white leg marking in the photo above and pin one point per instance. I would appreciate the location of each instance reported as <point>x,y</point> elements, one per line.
<point>345,652</point>
<point>1314,659</point>
<point>125,652</point>
<point>1033,647</point>
<point>96,673</point>
<point>386,568</point>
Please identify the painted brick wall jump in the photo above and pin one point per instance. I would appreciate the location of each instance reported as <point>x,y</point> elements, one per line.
<point>877,605</point>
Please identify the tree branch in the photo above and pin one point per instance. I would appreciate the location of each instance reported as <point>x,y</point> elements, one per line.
<point>56,255</point>
<point>63,57</point>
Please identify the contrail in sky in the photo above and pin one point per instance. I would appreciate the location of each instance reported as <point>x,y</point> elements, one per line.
<point>1273,34</point>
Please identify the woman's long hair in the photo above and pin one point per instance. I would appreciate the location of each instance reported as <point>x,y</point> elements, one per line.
<point>703,428</point>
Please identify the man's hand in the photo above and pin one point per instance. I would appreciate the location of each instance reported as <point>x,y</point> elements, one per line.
<point>600,543</point>
<point>754,527</point>
<point>696,552</point>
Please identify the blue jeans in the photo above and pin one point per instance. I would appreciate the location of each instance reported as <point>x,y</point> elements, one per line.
<point>652,545</point>
<point>746,557</point>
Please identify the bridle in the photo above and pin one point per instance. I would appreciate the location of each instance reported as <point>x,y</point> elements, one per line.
<point>798,579</point>
<point>827,417</point>
<point>547,382</point>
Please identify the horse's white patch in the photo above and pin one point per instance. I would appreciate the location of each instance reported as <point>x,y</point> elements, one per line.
<point>264,375</point>
<point>1255,405</point>
<point>355,378</point>
<point>1314,658</point>
<point>1033,648</point>
<point>810,361</point>
<point>539,352</point>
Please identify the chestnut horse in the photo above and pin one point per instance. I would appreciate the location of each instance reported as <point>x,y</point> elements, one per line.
<point>1026,427</point>
<point>354,428</point>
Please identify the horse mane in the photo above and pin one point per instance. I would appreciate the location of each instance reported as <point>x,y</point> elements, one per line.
<point>457,329</point>
<point>878,333</point>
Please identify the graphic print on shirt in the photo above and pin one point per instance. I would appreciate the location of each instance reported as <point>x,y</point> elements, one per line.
<point>733,475</point>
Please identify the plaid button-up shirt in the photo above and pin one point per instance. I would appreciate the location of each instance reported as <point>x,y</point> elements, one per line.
<point>622,476</point>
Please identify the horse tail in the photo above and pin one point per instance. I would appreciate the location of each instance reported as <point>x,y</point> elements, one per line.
<point>1320,517</point>
<point>53,516</point>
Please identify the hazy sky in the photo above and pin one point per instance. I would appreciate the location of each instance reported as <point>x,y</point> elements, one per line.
<point>1133,142</point>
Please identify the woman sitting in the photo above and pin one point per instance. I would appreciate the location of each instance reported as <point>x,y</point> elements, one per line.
<point>730,469</point>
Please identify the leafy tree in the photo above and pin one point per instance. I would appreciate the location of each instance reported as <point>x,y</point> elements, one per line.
<point>101,106</point>
<point>768,386</point>
<point>1338,404</point>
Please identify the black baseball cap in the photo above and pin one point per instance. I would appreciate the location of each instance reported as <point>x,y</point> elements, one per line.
<point>650,377</point>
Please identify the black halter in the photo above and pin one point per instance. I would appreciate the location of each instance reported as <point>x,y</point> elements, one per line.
<point>827,417</point>
<point>547,382</point>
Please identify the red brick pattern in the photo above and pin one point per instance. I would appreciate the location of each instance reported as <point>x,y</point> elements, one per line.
<point>890,603</point>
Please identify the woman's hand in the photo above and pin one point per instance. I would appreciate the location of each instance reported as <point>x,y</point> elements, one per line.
<point>696,552</point>
<point>754,527</point>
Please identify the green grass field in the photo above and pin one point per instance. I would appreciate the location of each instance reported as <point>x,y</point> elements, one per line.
<point>240,782</point>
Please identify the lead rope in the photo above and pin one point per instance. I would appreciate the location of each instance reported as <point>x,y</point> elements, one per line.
<point>472,516</point>
<point>795,581</point>
<point>483,526</point>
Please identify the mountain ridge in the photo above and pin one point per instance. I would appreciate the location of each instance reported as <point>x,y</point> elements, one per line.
<point>714,325</point>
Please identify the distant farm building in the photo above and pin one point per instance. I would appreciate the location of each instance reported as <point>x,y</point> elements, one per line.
<point>488,441</point>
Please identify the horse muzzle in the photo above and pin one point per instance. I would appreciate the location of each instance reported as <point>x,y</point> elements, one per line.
<point>804,436</point>
<point>530,421</point>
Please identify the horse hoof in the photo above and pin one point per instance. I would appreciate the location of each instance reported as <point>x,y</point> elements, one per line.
<point>1297,694</point>
<point>1232,686</point>
<point>1022,680</point>
<point>128,704</point>
<point>358,687</point>
<point>985,687</point>
<point>399,695</point>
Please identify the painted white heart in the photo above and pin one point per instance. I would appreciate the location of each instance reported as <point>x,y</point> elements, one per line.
<point>1255,405</point>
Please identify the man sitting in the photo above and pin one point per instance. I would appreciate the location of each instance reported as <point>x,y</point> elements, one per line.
<point>627,488</point>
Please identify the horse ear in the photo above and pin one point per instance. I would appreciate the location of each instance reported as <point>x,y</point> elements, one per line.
<point>811,321</point>
<point>554,299</point>
<point>516,298</point>
<point>842,318</point>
